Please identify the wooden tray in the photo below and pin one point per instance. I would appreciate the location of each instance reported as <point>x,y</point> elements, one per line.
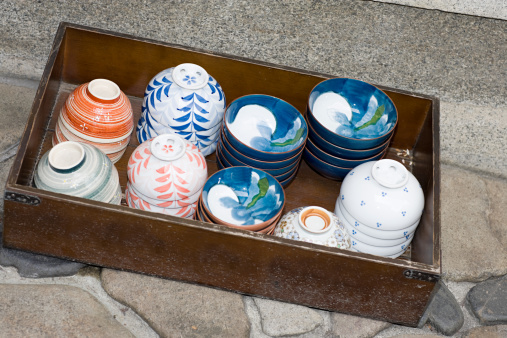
<point>395,290</point>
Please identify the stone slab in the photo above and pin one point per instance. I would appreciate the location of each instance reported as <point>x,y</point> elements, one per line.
<point>474,137</point>
<point>486,8</point>
<point>175,309</point>
<point>284,319</point>
<point>386,44</point>
<point>473,218</point>
<point>488,301</point>
<point>355,327</point>
<point>54,311</point>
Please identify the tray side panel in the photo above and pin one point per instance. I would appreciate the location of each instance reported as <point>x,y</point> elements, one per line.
<point>220,257</point>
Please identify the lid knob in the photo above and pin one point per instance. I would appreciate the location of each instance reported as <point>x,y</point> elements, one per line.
<point>390,173</point>
<point>168,147</point>
<point>315,219</point>
<point>66,155</point>
<point>190,76</point>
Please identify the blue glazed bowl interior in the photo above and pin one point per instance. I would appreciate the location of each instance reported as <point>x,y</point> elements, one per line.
<point>266,123</point>
<point>352,108</point>
<point>252,196</point>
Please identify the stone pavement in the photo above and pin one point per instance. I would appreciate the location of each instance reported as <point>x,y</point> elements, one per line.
<point>459,58</point>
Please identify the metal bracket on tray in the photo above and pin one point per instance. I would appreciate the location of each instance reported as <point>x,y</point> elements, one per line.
<point>26,199</point>
<point>422,276</point>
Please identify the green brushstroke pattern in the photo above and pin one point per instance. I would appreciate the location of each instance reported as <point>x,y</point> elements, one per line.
<point>263,185</point>
<point>296,138</point>
<point>374,119</point>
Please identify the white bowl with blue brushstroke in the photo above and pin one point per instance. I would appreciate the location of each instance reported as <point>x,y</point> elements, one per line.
<point>243,197</point>
<point>264,127</point>
<point>184,100</point>
<point>351,114</point>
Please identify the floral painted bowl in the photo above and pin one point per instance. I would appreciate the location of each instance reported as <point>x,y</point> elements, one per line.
<point>351,114</point>
<point>264,127</point>
<point>250,161</point>
<point>184,100</point>
<point>340,162</point>
<point>167,169</point>
<point>334,150</point>
<point>314,225</point>
<point>243,196</point>
<point>81,170</point>
<point>322,167</point>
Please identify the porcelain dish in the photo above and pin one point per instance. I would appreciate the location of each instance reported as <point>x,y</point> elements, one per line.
<point>80,170</point>
<point>97,113</point>
<point>166,172</point>
<point>313,224</point>
<point>184,100</point>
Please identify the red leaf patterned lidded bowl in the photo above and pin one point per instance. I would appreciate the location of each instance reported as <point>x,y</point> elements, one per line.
<point>166,175</point>
<point>97,113</point>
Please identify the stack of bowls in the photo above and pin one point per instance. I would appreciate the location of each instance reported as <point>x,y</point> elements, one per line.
<point>380,204</point>
<point>166,175</point>
<point>243,198</point>
<point>97,113</point>
<point>186,101</point>
<point>263,132</point>
<point>81,170</point>
<point>350,122</point>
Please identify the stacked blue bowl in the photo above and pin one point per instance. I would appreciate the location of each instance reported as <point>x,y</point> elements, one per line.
<point>350,122</point>
<point>263,132</point>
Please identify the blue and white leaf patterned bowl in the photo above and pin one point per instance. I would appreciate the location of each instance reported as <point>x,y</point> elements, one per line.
<point>265,127</point>
<point>184,100</point>
<point>243,197</point>
<point>327,170</point>
<point>382,195</point>
<point>313,224</point>
<point>351,114</point>
<point>81,170</point>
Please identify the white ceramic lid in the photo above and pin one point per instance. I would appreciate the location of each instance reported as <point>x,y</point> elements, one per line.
<point>382,195</point>
<point>190,76</point>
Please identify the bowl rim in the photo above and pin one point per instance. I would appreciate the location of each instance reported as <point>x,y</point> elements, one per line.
<point>347,149</point>
<point>366,159</point>
<point>223,137</point>
<point>268,153</point>
<point>309,110</point>
<point>259,225</point>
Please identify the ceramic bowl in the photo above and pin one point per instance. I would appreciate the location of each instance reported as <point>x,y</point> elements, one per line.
<point>262,227</point>
<point>258,163</point>
<point>372,232</point>
<point>334,150</point>
<point>382,195</point>
<point>237,163</point>
<point>351,114</point>
<point>167,168</point>
<point>367,239</point>
<point>264,127</point>
<point>242,196</point>
<point>279,177</point>
<point>313,224</point>
<point>186,100</point>
<point>78,169</point>
<point>98,113</point>
<point>337,161</point>
<point>389,251</point>
<point>134,201</point>
<point>325,169</point>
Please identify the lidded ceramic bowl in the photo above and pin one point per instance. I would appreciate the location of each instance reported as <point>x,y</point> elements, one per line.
<point>80,170</point>
<point>166,172</point>
<point>382,195</point>
<point>314,225</point>
<point>184,100</point>
<point>97,113</point>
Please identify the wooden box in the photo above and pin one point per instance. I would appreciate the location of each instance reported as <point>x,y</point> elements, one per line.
<point>394,290</point>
